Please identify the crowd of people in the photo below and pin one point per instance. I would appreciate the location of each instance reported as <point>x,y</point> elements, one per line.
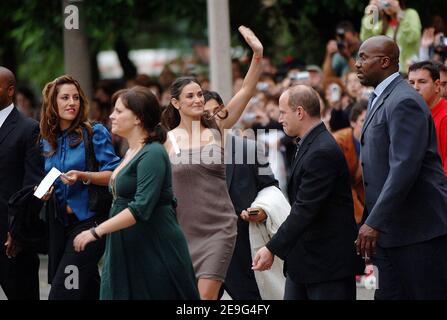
<point>331,167</point>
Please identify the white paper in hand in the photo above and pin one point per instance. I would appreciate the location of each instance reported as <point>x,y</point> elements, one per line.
<point>47,182</point>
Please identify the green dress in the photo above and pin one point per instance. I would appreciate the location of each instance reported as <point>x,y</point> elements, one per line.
<point>149,260</point>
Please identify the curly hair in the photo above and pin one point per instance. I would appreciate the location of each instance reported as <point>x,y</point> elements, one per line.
<point>50,120</point>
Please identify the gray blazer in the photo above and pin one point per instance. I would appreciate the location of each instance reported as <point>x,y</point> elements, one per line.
<point>405,186</point>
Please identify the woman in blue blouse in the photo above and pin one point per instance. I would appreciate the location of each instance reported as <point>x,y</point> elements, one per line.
<point>64,128</point>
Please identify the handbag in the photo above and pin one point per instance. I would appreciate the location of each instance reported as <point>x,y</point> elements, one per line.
<point>27,224</point>
<point>99,197</point>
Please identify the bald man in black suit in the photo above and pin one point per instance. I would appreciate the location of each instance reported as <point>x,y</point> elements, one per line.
<point>21,165</point>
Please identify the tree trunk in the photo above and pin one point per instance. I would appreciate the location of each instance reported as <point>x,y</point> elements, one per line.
<point>76,48</point>
<point>219,40</point>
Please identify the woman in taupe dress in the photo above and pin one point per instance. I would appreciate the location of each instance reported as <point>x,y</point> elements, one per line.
<point>205,211</point>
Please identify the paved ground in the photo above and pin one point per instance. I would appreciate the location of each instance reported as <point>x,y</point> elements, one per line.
<point>362,294</point>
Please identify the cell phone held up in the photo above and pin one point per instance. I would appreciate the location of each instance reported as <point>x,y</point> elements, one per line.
<point>335,92</point>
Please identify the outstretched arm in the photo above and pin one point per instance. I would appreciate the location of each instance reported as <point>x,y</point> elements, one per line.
<point>238,103</point>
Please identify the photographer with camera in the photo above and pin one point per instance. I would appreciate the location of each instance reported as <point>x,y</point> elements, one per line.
<point>348,44</point>
<point>393,19</point>
<point>434,42</point>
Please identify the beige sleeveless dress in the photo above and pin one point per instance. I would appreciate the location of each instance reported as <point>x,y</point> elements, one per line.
<point>204,209</point>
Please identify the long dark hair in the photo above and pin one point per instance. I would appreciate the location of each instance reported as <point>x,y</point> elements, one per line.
<point>49,118</point>
<point>144,104</point>
<point>213,95</point>
<point>170,117</point>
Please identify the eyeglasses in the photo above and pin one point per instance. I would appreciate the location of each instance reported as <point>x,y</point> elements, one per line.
<point>362,59</point>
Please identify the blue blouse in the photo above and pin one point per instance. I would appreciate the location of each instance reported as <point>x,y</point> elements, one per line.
<point>68,158</point>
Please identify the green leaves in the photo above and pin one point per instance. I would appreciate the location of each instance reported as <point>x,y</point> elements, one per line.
<point>297,27</point>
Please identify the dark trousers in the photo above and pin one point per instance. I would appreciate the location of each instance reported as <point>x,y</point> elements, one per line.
<point>417,271</point>
<point>247,290</point>
<point>343,289</point>
<point>19,276</point>
<point>77,276</point>
<point>240,281</point>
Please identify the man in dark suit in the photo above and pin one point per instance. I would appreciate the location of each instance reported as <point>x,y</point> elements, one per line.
<point>405,231</point>
<point>316,241</point>
<point>245,180</point>
<point>20,165</point>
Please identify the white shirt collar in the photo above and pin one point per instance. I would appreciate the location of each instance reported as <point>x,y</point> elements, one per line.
<point>5,113</point>
<point>384,84</point>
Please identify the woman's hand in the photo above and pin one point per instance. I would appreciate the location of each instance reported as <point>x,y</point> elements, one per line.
<point>331,47</point>
<point>240,100</point>
<point>82,239</point>
<point>428,37</point>
<point>252,41</point>
<point>70,177</point>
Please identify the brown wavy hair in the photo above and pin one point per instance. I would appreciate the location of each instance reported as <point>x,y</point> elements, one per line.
<point>49,118</point>
<point>170,117</point>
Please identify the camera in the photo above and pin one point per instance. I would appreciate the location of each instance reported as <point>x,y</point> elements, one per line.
<point>383,4</point>
<point>262,86</point>
<point>341,45</point>
<point>249,117</point>
<point>335,92</point>
<point>340,33</point>
<point>441,47</point>
<point>443,41</point>
<point>341,42</point>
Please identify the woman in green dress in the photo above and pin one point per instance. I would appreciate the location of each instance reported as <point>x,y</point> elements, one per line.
<point>146,253</point>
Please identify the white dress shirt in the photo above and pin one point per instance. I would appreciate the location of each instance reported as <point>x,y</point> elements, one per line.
<point>382,86</point>
<point>5,113</point>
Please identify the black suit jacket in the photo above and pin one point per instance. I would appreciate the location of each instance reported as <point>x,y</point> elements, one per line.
<point>317,239</point>
<point>21,162</point>
<point>405,184</point>
<point>248,172</point>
